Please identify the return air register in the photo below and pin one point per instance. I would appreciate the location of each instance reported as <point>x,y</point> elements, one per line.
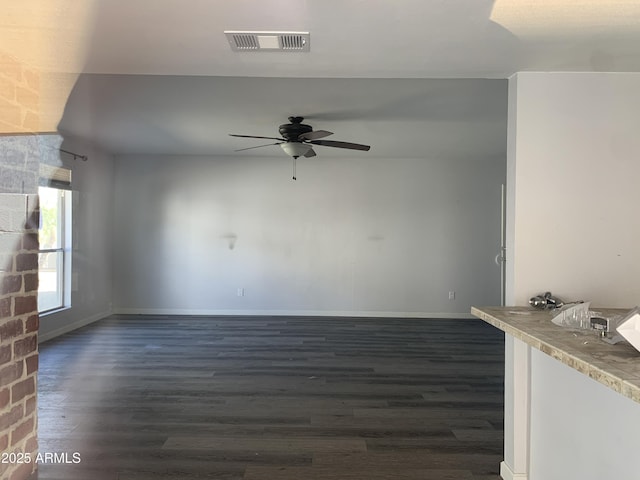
<point>268,41</point>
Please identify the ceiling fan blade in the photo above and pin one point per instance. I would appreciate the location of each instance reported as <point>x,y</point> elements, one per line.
<point>333,143</point>
<point>310,153</point>
<point>258,146</point>
<point>314,135</point>
<point>253,136</point>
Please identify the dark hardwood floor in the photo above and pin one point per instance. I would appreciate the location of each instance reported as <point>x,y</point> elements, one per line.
<point>266,398</point>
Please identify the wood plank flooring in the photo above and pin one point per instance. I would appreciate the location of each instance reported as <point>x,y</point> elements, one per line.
<point>266,398</point>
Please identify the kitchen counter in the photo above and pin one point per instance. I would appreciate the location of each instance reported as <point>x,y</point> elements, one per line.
<point>615,366</point>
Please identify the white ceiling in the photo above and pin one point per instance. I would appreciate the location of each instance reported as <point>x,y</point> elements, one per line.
<point>410,77</point>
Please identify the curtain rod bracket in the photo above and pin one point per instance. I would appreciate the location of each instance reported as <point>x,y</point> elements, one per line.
<point>75,156</point>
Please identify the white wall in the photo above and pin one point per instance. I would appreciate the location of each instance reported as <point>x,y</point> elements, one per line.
<point>576,176</point>
<point>363,236</point>
<point>573,203</point>
<point>92,260</point>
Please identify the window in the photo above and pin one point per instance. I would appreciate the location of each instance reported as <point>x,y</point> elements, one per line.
<point>54,256</point>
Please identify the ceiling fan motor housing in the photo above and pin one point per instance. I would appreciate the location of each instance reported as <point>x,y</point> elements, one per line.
<point>291,131</point>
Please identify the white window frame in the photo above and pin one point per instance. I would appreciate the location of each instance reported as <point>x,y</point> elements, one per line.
<point>62,251</point>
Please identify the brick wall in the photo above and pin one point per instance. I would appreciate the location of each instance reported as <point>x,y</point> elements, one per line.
<point>19,320</point>
<point>18,329</point>
<point>19,117</point>
<point>19,96</point>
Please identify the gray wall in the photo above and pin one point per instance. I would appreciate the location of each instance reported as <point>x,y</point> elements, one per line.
<point>91,294</point>
<point>361,236</point>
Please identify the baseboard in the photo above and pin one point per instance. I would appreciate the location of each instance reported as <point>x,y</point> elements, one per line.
<point>289,313</point>
<point>507,474</point>
<point>72,326</point>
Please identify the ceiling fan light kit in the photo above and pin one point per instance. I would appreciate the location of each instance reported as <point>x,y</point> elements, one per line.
<point>295,149</point>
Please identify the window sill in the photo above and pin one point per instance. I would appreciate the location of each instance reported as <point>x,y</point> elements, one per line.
<point>53,311</point>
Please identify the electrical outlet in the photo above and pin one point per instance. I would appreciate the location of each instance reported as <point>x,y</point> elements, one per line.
<point>452,295</point>
<point>241,292</point>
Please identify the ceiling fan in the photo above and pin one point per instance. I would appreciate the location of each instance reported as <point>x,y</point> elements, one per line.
<point>298,139</point>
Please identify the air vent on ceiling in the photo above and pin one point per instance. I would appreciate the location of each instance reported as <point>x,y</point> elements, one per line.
<point>268,41</point>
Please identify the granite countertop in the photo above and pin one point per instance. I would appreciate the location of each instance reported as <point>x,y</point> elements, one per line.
<point>616,366</point>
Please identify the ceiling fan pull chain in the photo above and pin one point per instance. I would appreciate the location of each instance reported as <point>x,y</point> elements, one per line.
<point>294,168</point>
